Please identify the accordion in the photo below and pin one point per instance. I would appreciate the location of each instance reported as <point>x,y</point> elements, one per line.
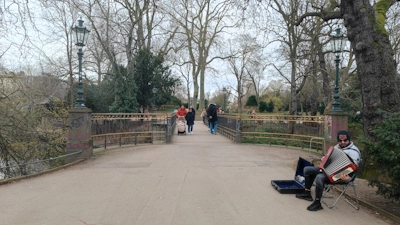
<point>335,163</point>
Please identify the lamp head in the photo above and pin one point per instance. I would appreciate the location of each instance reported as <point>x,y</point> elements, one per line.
<point>80,34</point>
<point>337,41</point>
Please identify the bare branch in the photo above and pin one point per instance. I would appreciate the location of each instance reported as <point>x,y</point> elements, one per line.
<point>323,15</point>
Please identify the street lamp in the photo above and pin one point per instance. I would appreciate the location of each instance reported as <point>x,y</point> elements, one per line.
<point>154,97</point>
<point>225,92</point>
<point>337,44</point>
<point>80,36</point>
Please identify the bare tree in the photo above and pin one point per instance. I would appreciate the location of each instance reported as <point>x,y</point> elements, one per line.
<point>185,73</point>
<point>393,28</point>
<point>201,23</point>
<point>244,50</point>
<point>255,70</point>
<point>59,15</point>
<point>290,39</point>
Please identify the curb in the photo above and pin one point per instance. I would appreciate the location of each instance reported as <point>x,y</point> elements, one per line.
<point>380,211</point>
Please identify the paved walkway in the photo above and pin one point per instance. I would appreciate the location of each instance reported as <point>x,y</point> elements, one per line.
<point>200,179</point>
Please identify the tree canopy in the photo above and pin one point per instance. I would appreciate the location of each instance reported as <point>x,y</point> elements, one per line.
<point>252,101</point>
<point>151,73</point>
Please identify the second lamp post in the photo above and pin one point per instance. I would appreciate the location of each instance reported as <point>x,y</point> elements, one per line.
<point>337,44</point>
<point>225,92</point>
<point>80,36</point>
<point>154,97</point>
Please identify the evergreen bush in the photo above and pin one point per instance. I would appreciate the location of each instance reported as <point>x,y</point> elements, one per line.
<point>251,101</point>
<point>262,107</point>
<point>270,106</point>
<point>383,154</point>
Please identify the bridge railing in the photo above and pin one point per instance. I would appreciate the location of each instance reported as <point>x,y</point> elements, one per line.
<point>110,129</point>
<point>33,167</point>
<point>228,126</point>
<point>274,129</point>
<point>171,123</point>
<point>107,129</point>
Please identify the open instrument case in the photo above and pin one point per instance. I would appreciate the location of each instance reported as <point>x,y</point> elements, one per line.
<point>293,186</point>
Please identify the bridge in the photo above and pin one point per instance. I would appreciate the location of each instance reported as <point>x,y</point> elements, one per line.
<point>199,179</point>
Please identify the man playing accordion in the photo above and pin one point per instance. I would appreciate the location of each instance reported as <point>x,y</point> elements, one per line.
<point>312,173</point>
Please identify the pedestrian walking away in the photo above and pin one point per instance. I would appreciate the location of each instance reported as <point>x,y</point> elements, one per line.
<point>194,115</point>
<point>190,120</point>
<point>193,111</point>
<point>212,118</point>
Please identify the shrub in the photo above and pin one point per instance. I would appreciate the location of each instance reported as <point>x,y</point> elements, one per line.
<point>251,101</point>
<point>262,107</point>
<point>270,106</point>
<point>384,155</point>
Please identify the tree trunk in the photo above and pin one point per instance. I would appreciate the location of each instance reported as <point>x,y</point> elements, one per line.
<point>201,101</point>
<point>293,98</point>
<point>326,88</point>
<point>314,95</point>
<point>375,62</point>
<point>239,90</point>
<point>196,88</point>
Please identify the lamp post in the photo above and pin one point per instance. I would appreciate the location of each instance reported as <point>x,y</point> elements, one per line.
<point>225,92</point>
<point>80,36</point>
<point>154,97</point>
<point>337,44</point>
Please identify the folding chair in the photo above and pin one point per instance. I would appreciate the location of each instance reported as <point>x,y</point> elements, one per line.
<point>342,190</point>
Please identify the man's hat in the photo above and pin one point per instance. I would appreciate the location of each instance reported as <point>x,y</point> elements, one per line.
<point>343,132</point>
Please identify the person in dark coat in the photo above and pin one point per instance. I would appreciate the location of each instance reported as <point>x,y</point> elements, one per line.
<point>190,120</point>
<point>194,111</point>
<point>212,118</point>
<point>194,114</point>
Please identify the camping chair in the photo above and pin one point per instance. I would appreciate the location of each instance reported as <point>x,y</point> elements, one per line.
<point>342,190</point>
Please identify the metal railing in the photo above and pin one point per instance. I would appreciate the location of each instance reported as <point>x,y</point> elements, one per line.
<point>228,125</point>
<point>107,129</point>
<point>171,123</point>
<point>33,167</point>
<point>274,129</point>
<point>110,129</point>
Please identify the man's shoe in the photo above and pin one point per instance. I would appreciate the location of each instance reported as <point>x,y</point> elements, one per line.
<point>306,195</point>
<point>315,206</point>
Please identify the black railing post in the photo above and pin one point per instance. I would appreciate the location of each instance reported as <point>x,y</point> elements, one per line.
<point>168,131</point>
<point>238,132</point>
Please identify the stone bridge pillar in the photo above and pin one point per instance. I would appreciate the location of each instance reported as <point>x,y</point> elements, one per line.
<point>334,122</point>
<point>79,134</point>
